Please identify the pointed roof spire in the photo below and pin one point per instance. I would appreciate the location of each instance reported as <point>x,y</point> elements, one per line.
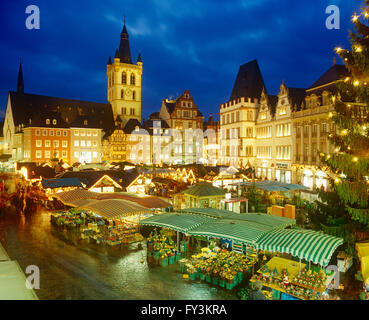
<point>109,61</point>
<point>124,52</point>
<point>20,84</point>
<point>139,59</point>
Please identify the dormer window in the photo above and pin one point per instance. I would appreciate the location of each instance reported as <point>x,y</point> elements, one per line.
<point>282,111</point>
<point>85,122</point>
<point>54,122</point>
<point>30,121</point>
<point>47,121</point>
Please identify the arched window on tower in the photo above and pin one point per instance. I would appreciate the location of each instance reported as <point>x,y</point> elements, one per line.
<point>133,79</point>
<point>122,94</point>
<point>124,77</point>
<point>134,95</point>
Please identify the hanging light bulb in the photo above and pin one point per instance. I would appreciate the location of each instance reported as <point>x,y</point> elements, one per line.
<point>337,181</point>
<point>344,132</point>
<point>355,17</point>
<point>338,149</point>
<point>356,83</point>
<point>358,49</point>
<point>330,115</point>
<point>355,159</point>
<point>338,49</point>
<point>347,79</point>
<point>348,148</point>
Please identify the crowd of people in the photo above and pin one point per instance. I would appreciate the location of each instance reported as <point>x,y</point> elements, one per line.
<point>17,192</point>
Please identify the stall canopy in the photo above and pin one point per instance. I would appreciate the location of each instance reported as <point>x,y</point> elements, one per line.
<point>115,208</point>
<point>261,218</point>
<point>178,222</point>
<point>271,186</point>
<point>208,212</point>
<point>241,231</point>
<point>304,244</point>
<point>74,198</point>
<point>61,183</point>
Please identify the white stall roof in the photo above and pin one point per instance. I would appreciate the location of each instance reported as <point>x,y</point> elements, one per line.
<point>13,283</point>
<point>3,255</point>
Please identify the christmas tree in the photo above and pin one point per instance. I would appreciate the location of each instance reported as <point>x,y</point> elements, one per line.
<point>349,164</point>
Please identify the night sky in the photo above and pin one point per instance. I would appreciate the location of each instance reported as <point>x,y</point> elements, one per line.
<point>192,44</point>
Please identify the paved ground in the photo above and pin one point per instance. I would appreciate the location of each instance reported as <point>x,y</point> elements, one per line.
<point>70,271</point>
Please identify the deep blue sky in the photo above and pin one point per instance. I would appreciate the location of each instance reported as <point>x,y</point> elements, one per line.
<point>185,44</point>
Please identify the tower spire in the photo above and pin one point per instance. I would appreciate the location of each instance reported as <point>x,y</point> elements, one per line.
<point>20,84</point>
<point>124,51</point>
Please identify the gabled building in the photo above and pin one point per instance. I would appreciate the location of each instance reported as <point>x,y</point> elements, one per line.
<point>238,117</point>
<point>33,122</point>
<point>85,142</point>
<point>183,115</point>
<point>312,126</point>
<point>274,142</point>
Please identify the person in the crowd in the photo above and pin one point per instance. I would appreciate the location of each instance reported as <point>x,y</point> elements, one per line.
<point>256,293</point>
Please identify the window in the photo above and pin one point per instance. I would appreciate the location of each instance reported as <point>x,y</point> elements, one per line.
<point>88,133</point>
<point>38,154</point>
<point>64,154</point>
<point>83,143</point>
<point>83,133</point>
<point>237,116</point>
<point>88,143</point>
<point>94,143</point>
<point>44,132</point>
<point>38,143</point>
<point>56,143</point>
<point>94,154</point>
<point>56,154</point>
<point>282,111</point>
<point>232,117</point>
<point>54,122</point>
<point>58,133</point>
<point>76,132</point>
<point>263,116</point>
<point>85,122</point>
<point>133,79</point>
<point>52,133</point>
<point>47,143</point>
<point>76,154</point>
<point>47,154</point>
<point>122,94</point>
<point>95,133</point>
<point>65,144</point>
<point>124,77</point>
<point>65,133</point>
<point>38,132</point>
<point>134,95</point>
<point>76,143</point>
<point>47,121</point>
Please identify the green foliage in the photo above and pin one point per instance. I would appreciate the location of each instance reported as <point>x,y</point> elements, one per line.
<point>255,202</point>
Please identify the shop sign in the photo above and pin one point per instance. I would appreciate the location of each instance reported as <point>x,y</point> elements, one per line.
<point>282,165</point>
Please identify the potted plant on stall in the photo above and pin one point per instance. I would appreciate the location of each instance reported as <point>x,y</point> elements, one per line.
<point>208,274</point>
<point>222,279</point>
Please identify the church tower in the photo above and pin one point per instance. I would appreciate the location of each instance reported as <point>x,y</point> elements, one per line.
<point>124,81</point>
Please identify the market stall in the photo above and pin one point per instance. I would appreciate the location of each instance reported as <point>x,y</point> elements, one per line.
<point>161,249</point>
<point>289,280</point>
<point>219,267</point>
<point>363,254</point>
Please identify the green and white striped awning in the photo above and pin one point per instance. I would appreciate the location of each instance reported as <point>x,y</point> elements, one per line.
<point>241,231</point>
<point>175,221</point>
<point>305,244</point>
<point>261,218</point>
<point>208,212</point>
